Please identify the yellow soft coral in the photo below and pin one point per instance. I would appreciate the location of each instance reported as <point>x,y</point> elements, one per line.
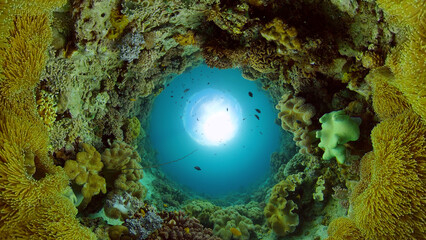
<point>32,204</point>
<point>32,208</point>
<point>84,171</point>
<point>46,107</point>
<point>122,162</point>
<point>23,60</point>
<point>392,204</point>
<point>185,39</point>
<point>295,117</point>
<point>284,35</point>
<point>279,211</point>
<point>343,229</point>
<point>119,22</point>
<point>388,101</point>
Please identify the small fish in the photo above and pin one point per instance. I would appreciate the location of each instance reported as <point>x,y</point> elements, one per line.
<point>244,119</point>
<point>257,117</point>
<point>261,133</point>
<point>165,205</point>
<point>186,229</point>
<point>235,231</point>
<point>168,84</point>
<point>208,83</point>
<point>132,99</point>
<point>181,97</point>
<point>250,94</point>
<point>186,90</point>
<point>197,168</point>
<point>257,110</point>
<point>171,96</point>
<point>198,119</point>
<point>226,109</point>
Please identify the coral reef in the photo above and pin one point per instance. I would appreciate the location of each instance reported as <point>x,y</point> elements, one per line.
<point>85,75</point>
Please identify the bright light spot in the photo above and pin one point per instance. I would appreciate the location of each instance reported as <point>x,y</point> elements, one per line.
<point>212,117</point>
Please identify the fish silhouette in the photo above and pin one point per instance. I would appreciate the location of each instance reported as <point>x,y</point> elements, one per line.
<point>257,117</point>
<point>250,94</point>
<point>257,110</point>
<point>197,168</point>
<point>186,90</point>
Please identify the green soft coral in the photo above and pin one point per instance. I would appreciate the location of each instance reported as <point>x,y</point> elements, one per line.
<point>337,129</point>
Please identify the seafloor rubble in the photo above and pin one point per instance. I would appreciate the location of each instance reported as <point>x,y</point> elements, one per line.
<point>78,79</point>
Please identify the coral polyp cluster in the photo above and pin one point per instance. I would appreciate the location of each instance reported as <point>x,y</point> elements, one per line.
<point>78,80</point>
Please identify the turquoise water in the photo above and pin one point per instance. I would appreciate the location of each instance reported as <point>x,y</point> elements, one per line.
<point>226,166</point>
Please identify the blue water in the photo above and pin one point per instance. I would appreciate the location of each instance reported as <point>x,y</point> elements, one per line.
<point>228,167</point>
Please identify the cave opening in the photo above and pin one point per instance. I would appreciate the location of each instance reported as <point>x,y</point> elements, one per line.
<point>224,126</point>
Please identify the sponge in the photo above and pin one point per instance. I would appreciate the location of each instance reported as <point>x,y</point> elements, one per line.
<point>337,129</point>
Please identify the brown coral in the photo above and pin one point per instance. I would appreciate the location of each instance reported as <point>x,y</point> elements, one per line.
<point>176,226</point>
<point>84,171</point>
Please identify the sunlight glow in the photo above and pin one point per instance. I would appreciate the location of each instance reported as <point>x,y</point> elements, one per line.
<point>214,117</point>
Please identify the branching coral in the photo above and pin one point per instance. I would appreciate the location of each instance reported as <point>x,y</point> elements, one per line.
<point>85,171</point>
<point>202,210</point>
